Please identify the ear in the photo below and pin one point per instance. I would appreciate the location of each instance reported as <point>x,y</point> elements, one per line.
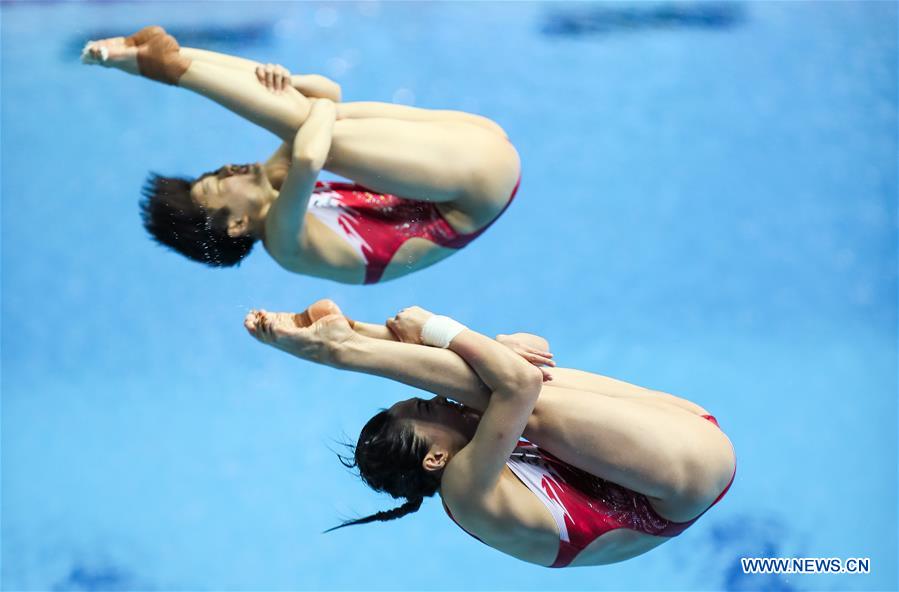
<point>238,226</point>
<point>435,460</point>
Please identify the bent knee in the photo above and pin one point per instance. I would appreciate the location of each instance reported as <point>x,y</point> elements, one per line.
<point>495,168</point>
<point>702,479</point>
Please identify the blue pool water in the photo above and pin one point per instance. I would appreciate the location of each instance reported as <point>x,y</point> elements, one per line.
<point>707,209</point>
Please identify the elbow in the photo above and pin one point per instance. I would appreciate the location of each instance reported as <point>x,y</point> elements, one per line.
<point>525,381</point>
<point>308,162</point>
<point>336,93</point>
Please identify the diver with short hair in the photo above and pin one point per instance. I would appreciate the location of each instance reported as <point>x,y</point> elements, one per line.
<point>424,183</point>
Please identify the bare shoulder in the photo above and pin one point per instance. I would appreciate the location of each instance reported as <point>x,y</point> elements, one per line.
<point>458,489</point>
<point>509,518</point>
<point>486,515</point>
<point>508,506</point>
<point>317,250</point>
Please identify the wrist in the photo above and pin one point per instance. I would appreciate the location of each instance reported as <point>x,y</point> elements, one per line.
<point>439,331</point>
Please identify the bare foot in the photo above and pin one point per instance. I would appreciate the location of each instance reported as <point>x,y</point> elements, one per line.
<point>150,52</point>
<point>119,52</point>
<point>316,311</point>
<point>312,335</point>
<point>111,53</point>
<point>144,35</point>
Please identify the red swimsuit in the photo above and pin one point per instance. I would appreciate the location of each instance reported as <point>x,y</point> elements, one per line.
<point>376,224</point>
<point>584,506</point>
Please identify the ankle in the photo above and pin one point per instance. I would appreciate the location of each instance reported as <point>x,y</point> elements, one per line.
<point>160,59</point>
<point>144,35</point>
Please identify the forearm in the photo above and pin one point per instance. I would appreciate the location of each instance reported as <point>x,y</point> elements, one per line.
<point>432,369</point>
<point>313,141</point>
<point>284,224</point>
<point>498,367</point>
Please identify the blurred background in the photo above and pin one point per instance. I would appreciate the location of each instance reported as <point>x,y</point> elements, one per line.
<point>708,207</point>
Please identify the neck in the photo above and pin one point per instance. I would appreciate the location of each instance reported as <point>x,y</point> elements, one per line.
<point>258,221</point>
<point>463,436</point>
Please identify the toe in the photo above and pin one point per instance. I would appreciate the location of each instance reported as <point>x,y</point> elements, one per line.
<point>323,308</point>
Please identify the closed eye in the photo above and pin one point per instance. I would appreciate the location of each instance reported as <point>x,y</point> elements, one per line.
<point>423,407</point>
<point>212,186</point>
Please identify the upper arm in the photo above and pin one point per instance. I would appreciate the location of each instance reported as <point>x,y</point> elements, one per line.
<point>476,469</point>
<point>285,222</point>
<point>515,386</point>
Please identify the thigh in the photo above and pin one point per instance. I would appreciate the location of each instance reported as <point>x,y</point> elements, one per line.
<point>668,454</point>
<point>368,109</point>
<point>603,385</point>
<point>442,161</point>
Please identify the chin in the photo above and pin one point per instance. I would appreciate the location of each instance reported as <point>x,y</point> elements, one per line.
<point>468,412</point>
<point>261,175</point>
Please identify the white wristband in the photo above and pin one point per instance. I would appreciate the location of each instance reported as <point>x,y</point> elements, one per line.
<point>439,331</point>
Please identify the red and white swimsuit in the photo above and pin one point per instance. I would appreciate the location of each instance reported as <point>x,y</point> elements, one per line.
<point>377,224</point>
<point>585,506</point>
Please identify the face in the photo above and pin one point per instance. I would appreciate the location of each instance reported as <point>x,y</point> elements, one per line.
<point>441,421</point>
<point>244,189</point>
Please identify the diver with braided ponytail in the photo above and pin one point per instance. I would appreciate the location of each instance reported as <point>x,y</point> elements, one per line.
<point>389,457</point>
<point>554,466</point>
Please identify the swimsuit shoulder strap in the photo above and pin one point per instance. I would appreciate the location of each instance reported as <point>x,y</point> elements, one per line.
<point>529,465</point>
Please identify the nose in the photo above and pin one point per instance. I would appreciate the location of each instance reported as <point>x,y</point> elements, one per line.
<point>235,169</point>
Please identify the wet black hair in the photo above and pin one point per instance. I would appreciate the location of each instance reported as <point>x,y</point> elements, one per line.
<point>175,220</point>
<point>389,456</point>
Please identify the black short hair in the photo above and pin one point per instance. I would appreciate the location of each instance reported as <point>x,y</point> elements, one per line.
<point>175,220</point>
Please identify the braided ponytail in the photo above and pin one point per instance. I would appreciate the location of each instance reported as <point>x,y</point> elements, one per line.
<point>389,456</point>
<point>410,506</point>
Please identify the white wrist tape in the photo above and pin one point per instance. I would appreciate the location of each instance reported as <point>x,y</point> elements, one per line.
<point>439,331</point>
